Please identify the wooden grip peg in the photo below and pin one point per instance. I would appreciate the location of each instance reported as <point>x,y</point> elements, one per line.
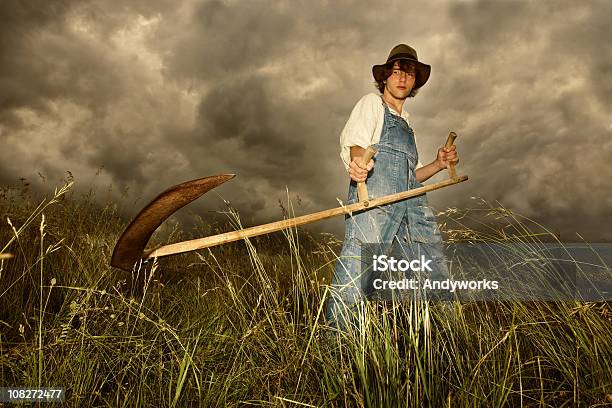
<point>452,173</point>
<point>362,189</point>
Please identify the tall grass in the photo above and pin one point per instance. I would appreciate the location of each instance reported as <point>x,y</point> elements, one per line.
<point>242,324</point>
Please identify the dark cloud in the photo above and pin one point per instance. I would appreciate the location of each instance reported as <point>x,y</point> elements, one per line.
<point>243,109</point>
<point>536,140</point>
<point>225,38</point>
<point>158,92</point>
<point>21,24</point>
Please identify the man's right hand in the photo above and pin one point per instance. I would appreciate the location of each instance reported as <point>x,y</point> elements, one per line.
<point>358,170</point>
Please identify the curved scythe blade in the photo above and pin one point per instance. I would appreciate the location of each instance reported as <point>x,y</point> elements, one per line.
<point>130,246</point>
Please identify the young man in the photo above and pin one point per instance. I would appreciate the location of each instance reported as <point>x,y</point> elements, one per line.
<point>382,121</point>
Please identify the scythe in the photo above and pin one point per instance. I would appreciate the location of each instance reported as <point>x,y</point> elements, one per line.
<point>130,247</point>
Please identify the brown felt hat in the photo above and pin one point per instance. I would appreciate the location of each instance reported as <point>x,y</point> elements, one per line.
<point>404,52</point>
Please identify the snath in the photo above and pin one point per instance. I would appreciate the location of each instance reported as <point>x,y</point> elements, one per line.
<point>130,247</point>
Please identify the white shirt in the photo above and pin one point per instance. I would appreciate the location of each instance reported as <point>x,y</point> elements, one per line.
<point>364,126</point>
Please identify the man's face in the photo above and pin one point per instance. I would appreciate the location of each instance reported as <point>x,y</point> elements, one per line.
<point>400,83</point>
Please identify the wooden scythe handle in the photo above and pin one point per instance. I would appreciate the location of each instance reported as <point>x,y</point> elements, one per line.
<point>231,236</point>
<point>452,173</point>
<point>362,188</point>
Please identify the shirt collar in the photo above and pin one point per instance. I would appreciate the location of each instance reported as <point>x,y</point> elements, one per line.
<point>404,114</point>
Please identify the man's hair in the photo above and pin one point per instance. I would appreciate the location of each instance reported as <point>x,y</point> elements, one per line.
<point>404,66</point>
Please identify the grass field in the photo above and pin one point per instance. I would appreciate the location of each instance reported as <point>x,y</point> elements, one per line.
<point>242,324</point>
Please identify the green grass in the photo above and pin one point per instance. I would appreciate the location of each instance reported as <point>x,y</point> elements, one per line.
<point>242,324</point>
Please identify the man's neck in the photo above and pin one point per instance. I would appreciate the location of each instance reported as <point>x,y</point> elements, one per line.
<point>396,104</point>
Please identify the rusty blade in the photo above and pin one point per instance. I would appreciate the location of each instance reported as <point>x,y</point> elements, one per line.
<point>131,244</point>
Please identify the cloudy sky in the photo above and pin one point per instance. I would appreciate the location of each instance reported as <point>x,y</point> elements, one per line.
<point>142,95</point>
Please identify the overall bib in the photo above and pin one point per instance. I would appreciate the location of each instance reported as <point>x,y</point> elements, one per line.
<point>409,221</point>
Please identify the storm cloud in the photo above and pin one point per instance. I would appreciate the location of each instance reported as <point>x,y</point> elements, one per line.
<point>148,94</point>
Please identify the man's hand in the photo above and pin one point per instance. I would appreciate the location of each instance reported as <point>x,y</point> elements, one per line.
<point>358,170</point>
<point>446,156</point>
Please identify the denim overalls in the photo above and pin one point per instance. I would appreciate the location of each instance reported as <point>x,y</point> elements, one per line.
<point>409,221</point>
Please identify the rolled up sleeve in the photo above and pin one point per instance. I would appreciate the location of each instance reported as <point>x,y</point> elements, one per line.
<point>360,127</point>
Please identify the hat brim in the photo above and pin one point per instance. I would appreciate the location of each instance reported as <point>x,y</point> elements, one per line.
<point>421,75</point>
